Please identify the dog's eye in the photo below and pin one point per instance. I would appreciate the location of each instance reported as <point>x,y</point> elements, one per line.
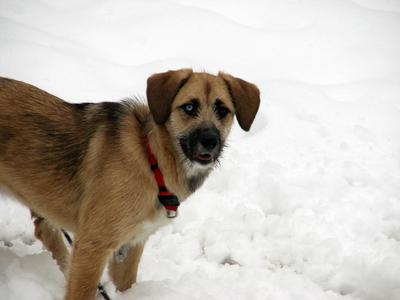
<point>191,108</point>
<point>221,110</point>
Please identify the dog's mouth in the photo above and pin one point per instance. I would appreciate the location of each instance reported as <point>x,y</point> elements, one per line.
<point>204,157</point>
<point>202,145</point>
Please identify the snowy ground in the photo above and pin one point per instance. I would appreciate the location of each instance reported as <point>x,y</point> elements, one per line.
<point>305,206</point>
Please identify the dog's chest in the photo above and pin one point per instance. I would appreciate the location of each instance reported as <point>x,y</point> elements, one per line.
<point>148,227</point>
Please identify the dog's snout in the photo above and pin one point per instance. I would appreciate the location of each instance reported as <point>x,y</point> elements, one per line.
<point>209,139</point>
<point>202,145</point>
<point>209,143</point>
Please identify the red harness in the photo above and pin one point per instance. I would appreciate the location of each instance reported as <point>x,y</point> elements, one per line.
<point>167,199</point>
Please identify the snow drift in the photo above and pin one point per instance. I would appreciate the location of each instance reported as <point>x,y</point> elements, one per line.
<point>305,206</point>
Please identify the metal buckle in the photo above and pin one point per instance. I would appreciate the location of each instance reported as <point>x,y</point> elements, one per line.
<point>171,213</point>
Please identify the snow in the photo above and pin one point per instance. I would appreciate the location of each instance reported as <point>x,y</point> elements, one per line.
<point>304,206</point>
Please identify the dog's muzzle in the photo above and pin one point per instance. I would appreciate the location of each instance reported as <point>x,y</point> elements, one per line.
<point>202,145</point>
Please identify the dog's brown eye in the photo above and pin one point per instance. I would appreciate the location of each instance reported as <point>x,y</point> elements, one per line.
<point>221,110</point>
<point>191,108</point>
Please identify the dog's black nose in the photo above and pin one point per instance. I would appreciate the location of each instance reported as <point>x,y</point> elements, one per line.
<point>209,139</point>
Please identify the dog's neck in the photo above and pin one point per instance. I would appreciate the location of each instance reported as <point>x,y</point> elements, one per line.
<point>181,177</point>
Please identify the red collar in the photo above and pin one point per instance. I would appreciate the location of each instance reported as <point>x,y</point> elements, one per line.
<point>167,199</point>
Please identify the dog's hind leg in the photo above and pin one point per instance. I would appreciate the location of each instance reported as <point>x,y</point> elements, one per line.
<point>53,241</point>
<point>124,264</point>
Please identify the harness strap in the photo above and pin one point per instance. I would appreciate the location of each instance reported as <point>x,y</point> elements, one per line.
<point>167,199</point>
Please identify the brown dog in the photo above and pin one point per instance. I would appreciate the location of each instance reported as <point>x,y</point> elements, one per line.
<point>84,167</point>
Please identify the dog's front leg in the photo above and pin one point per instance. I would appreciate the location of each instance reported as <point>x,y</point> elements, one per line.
<point>123,271</point>
<point>89,256</point>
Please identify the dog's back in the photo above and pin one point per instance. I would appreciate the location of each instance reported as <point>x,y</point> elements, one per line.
<point>34,125</point>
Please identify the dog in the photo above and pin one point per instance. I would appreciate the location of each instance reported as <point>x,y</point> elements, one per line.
<point>85,168</point>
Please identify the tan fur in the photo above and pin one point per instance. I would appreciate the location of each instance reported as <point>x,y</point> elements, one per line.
<point>84,168</point>
<point>123,274</point>
<point>52,239</point>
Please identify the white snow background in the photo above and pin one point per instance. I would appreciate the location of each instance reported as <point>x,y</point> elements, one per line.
<point>305,206</point>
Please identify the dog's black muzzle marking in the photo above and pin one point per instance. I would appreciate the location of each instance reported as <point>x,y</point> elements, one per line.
<point>202,145</point>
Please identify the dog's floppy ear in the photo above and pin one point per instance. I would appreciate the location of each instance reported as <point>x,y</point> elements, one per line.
<point>161,91</point>
<point>246,98</point>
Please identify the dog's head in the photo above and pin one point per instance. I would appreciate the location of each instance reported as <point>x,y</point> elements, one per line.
<point>198,110</point>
